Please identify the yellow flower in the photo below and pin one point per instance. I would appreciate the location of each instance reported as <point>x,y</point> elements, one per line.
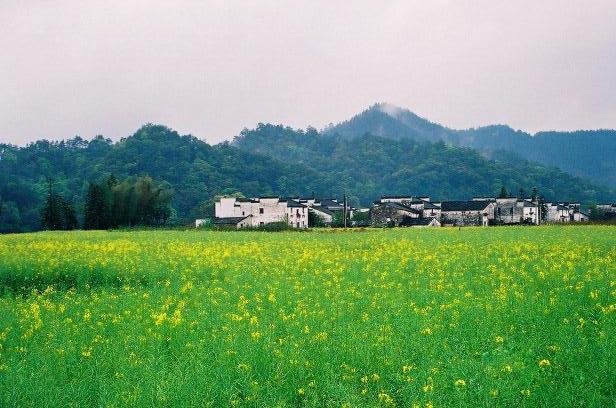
<point>375,377</point>
<point>301,391</point>
<point>255,335</point>
<point>499,339</point>
<point>507,368</point>
<point>544,363</point>
<point>525,392</point>
<point>460,383</point>
<point>385,398</point>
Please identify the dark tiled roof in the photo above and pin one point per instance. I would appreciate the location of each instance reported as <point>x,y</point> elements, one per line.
<point>464,205</point>
<point>409,221</point>
<point>229,220</point>
<point>293,203</point>
<point>430,206</point>
<point>401,207</point>
<point>396,197</point>
<point>322,209</point>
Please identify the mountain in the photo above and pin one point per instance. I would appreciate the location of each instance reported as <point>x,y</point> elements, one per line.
<point>196,170</point>
<point>367,166</point>
<point>588,154</point>
<point>269,160</point>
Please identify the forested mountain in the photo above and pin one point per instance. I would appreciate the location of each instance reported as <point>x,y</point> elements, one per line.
<point>195,170</point>
<point>367,166</point>
<point>587,154</point>
<point>267,160</point>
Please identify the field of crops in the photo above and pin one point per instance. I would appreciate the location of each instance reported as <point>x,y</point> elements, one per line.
<point>400,317</point>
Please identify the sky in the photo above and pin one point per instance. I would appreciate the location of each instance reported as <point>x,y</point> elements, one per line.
<point>212,68</point>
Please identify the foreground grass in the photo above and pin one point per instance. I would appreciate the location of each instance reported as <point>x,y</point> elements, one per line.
<point>441,317</point>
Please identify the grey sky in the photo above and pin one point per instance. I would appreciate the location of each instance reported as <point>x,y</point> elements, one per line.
<point>211,68</point>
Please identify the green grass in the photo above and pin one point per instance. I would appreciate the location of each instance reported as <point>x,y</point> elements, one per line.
<point>472,317</point>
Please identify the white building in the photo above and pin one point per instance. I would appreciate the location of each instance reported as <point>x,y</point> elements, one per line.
<point>560,212</point>
<point>467,213</point>
<point>256,212</point>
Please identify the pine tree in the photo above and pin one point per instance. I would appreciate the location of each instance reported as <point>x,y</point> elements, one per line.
<point>68,215</point>
<point>52,212</point>
<point>503,193</point>
<point>90,214</point>
<point>97,208</point>
<point>521,193</point>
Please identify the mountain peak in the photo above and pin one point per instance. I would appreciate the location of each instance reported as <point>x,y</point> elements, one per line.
<point>389,109</point>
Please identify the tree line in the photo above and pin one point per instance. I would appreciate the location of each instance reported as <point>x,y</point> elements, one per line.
<point>110,204</point>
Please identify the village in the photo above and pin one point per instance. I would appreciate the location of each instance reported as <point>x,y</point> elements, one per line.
<point>393,211</point>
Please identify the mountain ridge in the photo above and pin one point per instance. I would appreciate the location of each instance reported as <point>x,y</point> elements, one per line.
<point>270,159</point>
<point>584,153</point>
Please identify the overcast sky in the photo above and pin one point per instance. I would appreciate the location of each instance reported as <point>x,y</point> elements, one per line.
<point>211,68</point>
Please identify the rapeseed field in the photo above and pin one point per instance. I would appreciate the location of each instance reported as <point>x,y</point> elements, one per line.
<point>396,317</point>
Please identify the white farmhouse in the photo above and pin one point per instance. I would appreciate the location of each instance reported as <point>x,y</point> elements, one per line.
<point>255,212</point>
<point>565,212</point>
<point>467,213</point>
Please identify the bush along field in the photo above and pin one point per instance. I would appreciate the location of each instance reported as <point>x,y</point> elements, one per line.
<point>394,317</point>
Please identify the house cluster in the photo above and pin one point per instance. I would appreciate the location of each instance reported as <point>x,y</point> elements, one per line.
<point>480,211</point>
<point>235,212</point>
<point>395,211</point>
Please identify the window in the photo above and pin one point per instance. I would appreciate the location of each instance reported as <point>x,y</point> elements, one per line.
<point>260,210</point>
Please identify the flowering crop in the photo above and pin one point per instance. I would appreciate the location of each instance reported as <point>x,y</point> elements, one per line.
<point>394,317</point>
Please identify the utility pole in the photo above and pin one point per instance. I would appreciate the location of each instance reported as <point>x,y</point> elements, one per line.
<point>344,211</point>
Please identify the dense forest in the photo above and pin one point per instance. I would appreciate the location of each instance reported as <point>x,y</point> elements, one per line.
<point>267,160</point>
<point>367,166</point>
<point>588,154</point>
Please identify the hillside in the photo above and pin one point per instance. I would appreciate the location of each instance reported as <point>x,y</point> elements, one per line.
<point>587,154</point>
<point>196,171</point>
<point>367,166</point>
<point>267,160</point>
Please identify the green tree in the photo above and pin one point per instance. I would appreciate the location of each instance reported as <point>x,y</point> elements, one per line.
<point>503,193</point>
<point>69,217</point>
<point>315,220</point>
<point>10,217</point>
<point>595,213</point>
<point>360,218</point>
<point>52,211</point>
<point>97,211</point>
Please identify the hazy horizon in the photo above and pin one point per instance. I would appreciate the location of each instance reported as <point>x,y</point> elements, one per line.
<point>212,68</point>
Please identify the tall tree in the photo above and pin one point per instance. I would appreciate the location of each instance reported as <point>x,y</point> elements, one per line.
<point>97,211</point>
<point>52,211</point>
<point>534,194</point>
<point>69,217</point>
